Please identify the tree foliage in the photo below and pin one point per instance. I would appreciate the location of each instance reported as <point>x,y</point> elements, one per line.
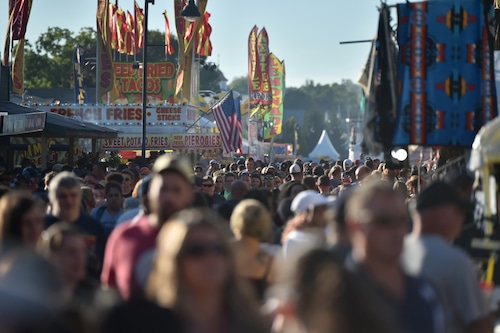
<point>240,84</point>
<point>326,107</point>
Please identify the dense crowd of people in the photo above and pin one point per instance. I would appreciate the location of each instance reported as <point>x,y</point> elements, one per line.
<point>344,246</point>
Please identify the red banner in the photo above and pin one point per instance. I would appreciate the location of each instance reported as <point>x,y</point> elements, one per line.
<point>20,16</point>
<point>139,27</point>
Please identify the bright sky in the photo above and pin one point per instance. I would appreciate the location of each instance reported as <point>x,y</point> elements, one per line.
<point>306,34</point>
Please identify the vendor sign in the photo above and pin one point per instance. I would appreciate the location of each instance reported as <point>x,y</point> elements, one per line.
<point>180,142</point>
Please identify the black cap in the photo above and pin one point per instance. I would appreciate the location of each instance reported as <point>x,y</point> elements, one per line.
<point>438,194</point>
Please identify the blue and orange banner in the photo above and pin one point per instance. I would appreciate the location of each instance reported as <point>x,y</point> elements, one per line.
<point>277,81</point>
<point>80,92</point>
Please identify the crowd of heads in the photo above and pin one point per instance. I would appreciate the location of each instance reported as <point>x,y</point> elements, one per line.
<point>244,246</point>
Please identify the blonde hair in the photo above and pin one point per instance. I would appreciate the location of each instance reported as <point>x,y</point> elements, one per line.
<point>165,286</point>
<point>251,218</point>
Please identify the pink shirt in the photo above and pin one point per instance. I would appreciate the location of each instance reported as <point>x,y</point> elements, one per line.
<point>129,255</point>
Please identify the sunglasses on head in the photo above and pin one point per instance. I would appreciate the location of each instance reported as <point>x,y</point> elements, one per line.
<point>201,250</point>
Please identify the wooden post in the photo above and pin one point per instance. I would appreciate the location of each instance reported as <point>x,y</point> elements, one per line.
<point>71,151</point>
<point>45,151</point>
<point>94,145</point>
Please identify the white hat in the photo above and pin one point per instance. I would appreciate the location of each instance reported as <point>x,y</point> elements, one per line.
<point>307,199</point>
<point>347,164</point>
<point>295,168</point>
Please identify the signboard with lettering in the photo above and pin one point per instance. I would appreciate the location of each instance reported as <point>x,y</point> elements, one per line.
<point>24,123</point>
<point>117,116</point>
<point>164,142</point>
<point>160,82</point>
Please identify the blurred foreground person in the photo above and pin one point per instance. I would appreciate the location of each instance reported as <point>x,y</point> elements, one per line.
<point>21,219</point>
<point>331,300</point>
<point>377,221</point>
<point>251,225</point>
<point>131,246</point>
<point>30,294</point>
<point>194,274</point>
<point>440,213</point>
<point>64,245</point>
<point>65,197</point>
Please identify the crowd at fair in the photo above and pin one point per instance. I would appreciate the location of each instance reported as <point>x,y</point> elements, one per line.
<point>297,246</point>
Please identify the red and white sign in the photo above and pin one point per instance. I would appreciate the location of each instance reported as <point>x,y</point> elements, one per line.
<point>164,142</point>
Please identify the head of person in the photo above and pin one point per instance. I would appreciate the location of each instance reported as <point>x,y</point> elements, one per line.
<point>65,197</point>
<point>377,220</point>
<point>198,171</point>
<point>170,189</point>
<point>440,210</point>
<point>255,180</point>
<point>336,172</point>
<point>229,178</point>
<point>21,218</point>
<point>238,189</point>
<point>318,171</point>
<point>251,219</point>
<point>269,181</point>
<point>90,180</point>
<point>310,183</point>
<point>218,183</point>
<point>401,189</point>
<point>296,172</point>
<point>323,184</point>
<point>128,181</point>
<point>99,169</point>
<point>214,165</point>
<point>250,164</point>
<point>32,173</point>
<point>347,164</point>
<point>114,196</point>
<point>64,245</point>
<point>208,186</point>
<point>48,177</point>
<point>245,176</point>
<point>144,171</point>
<point>115,177</point>
<point>193,257</point>
<point>88,199</point>
<point>362,172</point>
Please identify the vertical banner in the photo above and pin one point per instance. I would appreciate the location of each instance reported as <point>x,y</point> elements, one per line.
<point>21,14</point>
<point>265,86</point>
<point>139,27</point>
<point>186,60</point>
<point>253,70</point>
<point>112,26</point>
<point>18,69</point>
<point>169,49</point>
<point>80,92</point>
<point>121,30</point>
<point>204,45</point>
<point>277,79</point>
<point>105,75</point>
<point>130,34</point>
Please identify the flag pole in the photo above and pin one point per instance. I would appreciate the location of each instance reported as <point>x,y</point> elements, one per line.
<point>210,111</point>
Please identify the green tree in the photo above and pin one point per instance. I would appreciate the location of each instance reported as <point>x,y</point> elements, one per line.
<point>240,84</point>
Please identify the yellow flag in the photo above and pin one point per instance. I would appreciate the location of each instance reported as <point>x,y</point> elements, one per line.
<point>18,69</point>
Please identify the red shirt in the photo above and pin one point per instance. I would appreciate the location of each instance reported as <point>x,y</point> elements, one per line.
<point>128,256</point>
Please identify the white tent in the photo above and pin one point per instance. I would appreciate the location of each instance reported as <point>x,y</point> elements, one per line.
<point>324,148</point>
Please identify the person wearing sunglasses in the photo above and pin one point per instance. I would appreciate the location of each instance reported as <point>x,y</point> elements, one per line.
<point>377,221</point>
<point>194,273</point>
<point>208,187</point>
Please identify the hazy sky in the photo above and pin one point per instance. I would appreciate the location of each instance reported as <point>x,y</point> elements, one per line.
<point>306,34</point>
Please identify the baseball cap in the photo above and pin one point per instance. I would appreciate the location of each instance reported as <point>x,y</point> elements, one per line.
<point>213,162</point>
<point>438,194</point>
<point>307,199</point>
<point>295,168</point>
<point>347,164</point>
<point>171,162</point>
<point>144,170</point>
<point>30,172</point>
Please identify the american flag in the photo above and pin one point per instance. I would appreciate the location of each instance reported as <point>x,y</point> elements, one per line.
<point>228,117</point>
